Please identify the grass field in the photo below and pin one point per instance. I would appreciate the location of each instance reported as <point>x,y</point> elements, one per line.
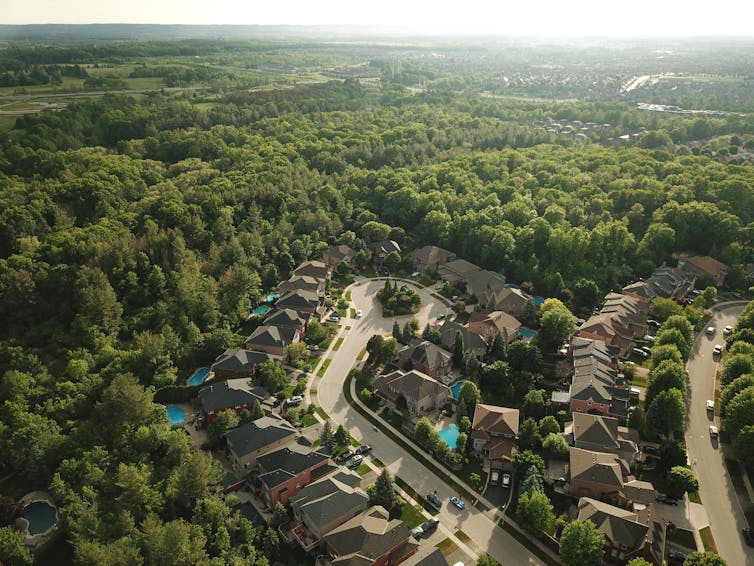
<point>708,539</point>
<point>446,546</point>
<point>363,470</point>
<point>323,368</point>
<point>338,343</point>
<point>412,515</point>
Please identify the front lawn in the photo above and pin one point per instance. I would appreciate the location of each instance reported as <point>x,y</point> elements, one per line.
<point>446,546</point>
<point>683,537</point>
<point>363,470</point>
<point>412,515</point>
<point>323,368</point>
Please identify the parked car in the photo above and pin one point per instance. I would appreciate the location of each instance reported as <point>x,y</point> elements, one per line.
<point>334,317</point>
<point>649,338</point>
<point>506,480</point>
<point>364,449</point>
<point>417,532</point>
<point>710,405</point>
<point>647,350</point>
<point>494,477</point>
<point>457,501</point>
<point>434,500</point>
<point>354,462</point>
<point>710,330</point>
<point>666,499</point>
<point>441,316</point>
<point>748,536</point>
<point>653,323</point>
<point>429,525</point>
<point>717,350</point>
<point>713,432</point>
<point>293,401</point>
<point>675,557</point>
<point>639,352</point>
<point>312,347</point>
<point>359,314</point>
<point>347,455</point>
<point>727,330</point>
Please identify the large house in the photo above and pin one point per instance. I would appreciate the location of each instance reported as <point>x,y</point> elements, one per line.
<point>370,539</point>
<point>489,323</point>
<point>324,505</point>
<point>430,258</point>
<point>493,434</point>
<point>473,343</point>
<point>313,268</point>
<point>704,265</point>
<point>335,255</point>
<point>512,301</point>
<point>628,534</point>
<point>284,472</point>
<point>288,318</point>
<point>620,322</point>
<point>247,442</point>
<point>603,434</point>
<point>457,272</point>
<point>606,477</point>
<point>298,300</point>
<point>303,283</point>
<point>485,286</point>
<point>427,358</point>
<point>272,339</point>
<point>236,362</point>
<point>421,392</point>
<point>667,282</point>
<point>595,384</point>
<point>236,394</point>
<point>382,249</point>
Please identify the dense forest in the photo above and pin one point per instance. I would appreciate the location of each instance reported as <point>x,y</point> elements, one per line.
<point>137,233</point>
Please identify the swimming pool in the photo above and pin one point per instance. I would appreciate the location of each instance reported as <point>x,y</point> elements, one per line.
<point>260,310</point>
<point>199,376</point>
<point>455,389</point>
<point>272,297</point>
<point>450,435</point>
<point>41,516</point>
<point>176,415</point>
<point>526,333</point>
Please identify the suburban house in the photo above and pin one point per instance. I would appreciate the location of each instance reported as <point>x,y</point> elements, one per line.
<point>620,322</point>
<point>430,258</point>
<point>237,394</point>
<point>298,300</point>
<point>488,323</point>
<point>370,539</point>
<point>303,283</point>
<point>485,286</point>
<point>324,505</point>
<point>595,386</point>
<point>272,339</point>
<point>247,442</point>
<point>493,434</point>
<point>421,392</point>
<point>512,301</point>
<point>288,318</point>
<point>427,358</point>
<point>284,472</point>
<point>704,265</point>
<point>667,282</point>
<point>382,249</point>
<point>457,271</point>
<point>335,255</point>
<point>237,362</point>
<point>313,268</point>
<point>606,477</point>
<point>473,343</point>
<point>628,534</point>
<point>602,434</point>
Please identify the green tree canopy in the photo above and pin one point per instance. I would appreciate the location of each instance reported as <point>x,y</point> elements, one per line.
<point>581,544</point>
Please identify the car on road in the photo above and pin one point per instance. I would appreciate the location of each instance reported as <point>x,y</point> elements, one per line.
<point>347,455</point>
<point>293,401</point>
<point>354,462</point>
<point>710,330</point>
<point>748,536</point>
<point>359,313</point>
<point>417,532</point>
<point>666,499</point>
<point>364,449</point>
<point>713,432</point>
<point>434,499</point>
<point>717,350</point>
<point>728,330</point>
<point>710,405</point>
<point>429,525</point>
<point>506,480</point>
<point>457,501</point>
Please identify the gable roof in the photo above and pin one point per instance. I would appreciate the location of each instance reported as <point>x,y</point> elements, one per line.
<point>334,255</point>
<point>705,264</point>
<point>287,317</point>
<point>497,321</point>
<point>283,464</point>
<point>431,255</point>
<point>385,247</point>
<point>483,283</point>
<point>367,536</point>
<point>494,419</point>
<point>330,498</point>
<point>239,360</point>
<point>268,335</point>
<point>511,299</point>
<point>594,377</point>
<point>426,354</point>
<point>303,282</point>
<point>230,393</point>
<point>413,385</point>
<point>248,438</point>
<point>598,467</point>
<point>298,298</point>
<point>596,429</point>
<point>457,270</point>
<point>665,282</point>
<point>313,268</point>
<point>471,340</point>
<point>619,526</point>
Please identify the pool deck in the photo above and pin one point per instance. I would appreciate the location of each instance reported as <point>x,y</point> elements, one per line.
<point>41,538</point>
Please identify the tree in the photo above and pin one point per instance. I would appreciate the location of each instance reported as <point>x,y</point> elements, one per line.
<point>389,349</point>
<point>672,453</point>
<point>424,432</point>
<point>9,510</point>
<point>528,435</point>
<point>557,324</point>
<point>743,445</point>
<point>315,331</point>
<point>279,516</point>
<point>524,357</point>
<point>682,324</point>
<point>384,490</point>
<point>397,334</point>
<point>535,403</point>
<point>666,375</point>
<point>524,460</point>
<point>486,560</point>
<point>393,261</point>
<point>375,231</point>
<point>681,480</point>
<point>374,347</point>
<point>639,561</point>
<point>667,412</point>
<point>226,420</point>
<point>137,496</point>
<point>342,437</point>
<point>499,347</point>
<point>532,481</point>
<point>458,349</point>
<point>740,411</point>
<point>581,544</point>
<point>464,424</point>
<point>13,549</point>
<point>665,308</point>
<point>326,437</point>
<point>256,411</point>
<point>548,425</point>
<point>469,396</point>
<point>272,376</point>
<point>664,352</point>
<point>461,442</point>
<point>675,337</point>
<point>555,446</point>
<point>706,558</point>
<point>736,366</point>
<point>174,542</point>
<point>637,419</point>
<point>534,512</point>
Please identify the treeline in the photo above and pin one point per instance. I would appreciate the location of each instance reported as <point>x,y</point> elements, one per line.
<point>39,74</point>
<point>175,76</point>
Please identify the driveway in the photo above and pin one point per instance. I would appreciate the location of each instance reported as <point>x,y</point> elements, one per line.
<point>481,527</point>
<point>715,488</point>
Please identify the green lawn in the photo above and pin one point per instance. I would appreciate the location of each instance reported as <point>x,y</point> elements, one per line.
<point>473,466</point>
<point>708,539</point>
<point>363,470</point>
<point>321,412</point>
<point>361,354</point>
<point>446,546</point>
<point>309,420</point>
<point>684,538</point>
<point>412,515</point>
<point>463,537</point>
<point>694,497</point>
<point>312,391</point>
<point>323,368</point>
<point>338,344</point>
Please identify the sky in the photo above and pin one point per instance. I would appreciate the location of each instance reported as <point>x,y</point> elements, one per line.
<point>497,17</point>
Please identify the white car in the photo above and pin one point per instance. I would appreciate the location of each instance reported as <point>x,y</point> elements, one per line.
<point>713,432</point>
<point>717,350</point>
<point>710,330</point>
<point>727,330</point>
<point>710,405</point>
<point>506,480</point>
<point>359,314</point>
<point>417,532</point>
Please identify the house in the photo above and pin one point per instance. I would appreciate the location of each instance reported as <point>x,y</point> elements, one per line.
<point>457,271</point>
<point>237,394</point>
<point>303,283</point>
<point>272,339</point>
<point>627,536</point>
<point>489,323</point>
<point>298,300</point>
<point>430,258</point>
<point>382,249</point>
<point>667,282</point>
<point>324,505</point>
<point>426,357</point>
<point>595,385</point>
<point>421,392</point>
<point>512,301</point>
<point>704,265</point>
<point>473,343</point>
<point>247,442</point>
<point>603,434</point>
<point>370,539</point>
<point>237,362</point>
<point>313,268</point>
<point>620,322</point>
<point>485,286</point>
<point>335,255</point>
<point>493,434</point>
<point>284,472</point>
<point>607,477</point>
<point>288,318</point>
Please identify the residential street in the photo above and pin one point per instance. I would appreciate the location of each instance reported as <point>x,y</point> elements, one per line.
<point>481,527</point>
<point>706,457</point>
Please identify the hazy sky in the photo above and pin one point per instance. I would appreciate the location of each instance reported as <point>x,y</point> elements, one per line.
<point>516,17</point>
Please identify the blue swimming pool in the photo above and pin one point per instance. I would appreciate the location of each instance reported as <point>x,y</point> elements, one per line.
<point>455,389</point>
<point>450,435</point>
<point>41,516</point>
<point>176,415</point>
<point>272,297</point>
<point>199,376</point>
<point>526,333</point>
<point>261,310</point>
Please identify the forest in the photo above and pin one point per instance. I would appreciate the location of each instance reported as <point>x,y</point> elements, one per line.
<point>137,233</point>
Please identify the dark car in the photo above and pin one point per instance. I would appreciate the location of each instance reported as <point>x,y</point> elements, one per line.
<point>675,557</point>
<point>364,449</point>
<point>649,449</point>
<point>666,499</point>
<point>429,525</point>
<point>748,536</point>
<point>345,456</point>
<point>434,500</point>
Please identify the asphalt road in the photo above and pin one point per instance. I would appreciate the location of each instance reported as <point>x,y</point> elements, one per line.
<point>480,526</point>
<point>715,487</point>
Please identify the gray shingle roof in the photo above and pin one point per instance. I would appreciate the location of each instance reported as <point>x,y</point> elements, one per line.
<point>327,499</point>
<point>230,393</point>
<point>292,462</point>
<point>256,435</point>
<point>369,534</point>
<point>268,335</point>
<point>239,360</point>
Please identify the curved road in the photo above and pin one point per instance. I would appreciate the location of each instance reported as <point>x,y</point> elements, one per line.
<point>715,487</point>
<point>480,526</point>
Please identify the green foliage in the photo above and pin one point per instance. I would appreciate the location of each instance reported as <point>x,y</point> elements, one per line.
<point>581,544</point>
<point>681,480</point>
<point>13,548</point>
<point>327,437</point>
<point>486,560</point>
<point>528,435</point>
<point>534,512</point>
<point>666,375</point>
<point>743,445</point>
<point>398,301</point>
<point>663,308</point>
<point>557,324</point>
<point>740,411</point>
<point>524,460</point>
<point>384,490</point>
<point>458,349</point>
<point>672,453</point>
<point>706,558</point>
<point>667,412</point>
<point>536,403</point>
<point>555,446</point>
<point>272,376</point>
<point>639,561</point>
<point>735,366</point>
